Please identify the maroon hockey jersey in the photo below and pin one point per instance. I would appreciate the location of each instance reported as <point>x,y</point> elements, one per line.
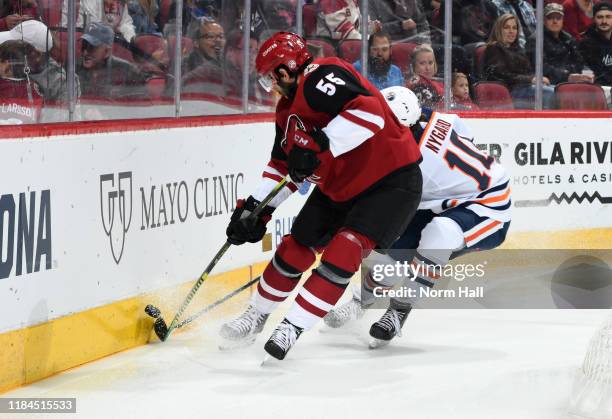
<point>366,140</point>
<point>15,105</point>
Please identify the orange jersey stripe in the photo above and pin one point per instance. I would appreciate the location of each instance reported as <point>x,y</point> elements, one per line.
<point>482,231</point>
<point>426,130</point>
<point>494,198</point>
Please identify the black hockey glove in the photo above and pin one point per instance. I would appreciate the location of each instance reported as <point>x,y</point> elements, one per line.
<point>243,228</point>
<point>302,159</point>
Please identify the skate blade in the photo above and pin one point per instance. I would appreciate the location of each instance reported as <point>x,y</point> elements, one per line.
<point>266,359</point>
<point>232,345</point>
<point>378,343</point>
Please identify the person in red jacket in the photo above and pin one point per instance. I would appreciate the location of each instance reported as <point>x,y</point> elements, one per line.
<point>333,129</point>
<point>578,16</point>
<point>20,101</point>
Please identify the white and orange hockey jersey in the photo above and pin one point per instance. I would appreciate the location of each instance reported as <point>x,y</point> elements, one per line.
<point>456,173</point>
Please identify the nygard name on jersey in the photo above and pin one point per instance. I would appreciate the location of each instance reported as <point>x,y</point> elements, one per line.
<point>437,135</point>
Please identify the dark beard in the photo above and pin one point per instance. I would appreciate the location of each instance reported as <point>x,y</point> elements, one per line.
<point>288,89</point>
<point>378,67</point>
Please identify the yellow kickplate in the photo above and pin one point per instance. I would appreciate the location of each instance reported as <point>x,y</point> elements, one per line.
<point>37,352</point>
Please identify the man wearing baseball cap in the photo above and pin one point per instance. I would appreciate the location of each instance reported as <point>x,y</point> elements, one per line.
<point>103,75</point>
<point>44,70</point>
<point>562,61</point>
<point>596,45</point>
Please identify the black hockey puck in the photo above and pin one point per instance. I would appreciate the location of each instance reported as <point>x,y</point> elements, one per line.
<point>152,311</point>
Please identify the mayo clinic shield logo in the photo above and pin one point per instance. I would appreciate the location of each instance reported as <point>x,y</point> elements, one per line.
<point>116,209</point>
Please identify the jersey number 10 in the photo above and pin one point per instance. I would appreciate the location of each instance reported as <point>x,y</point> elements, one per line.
<point>454,161</point>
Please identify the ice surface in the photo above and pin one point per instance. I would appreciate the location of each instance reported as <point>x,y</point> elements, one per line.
<point>449,364</point>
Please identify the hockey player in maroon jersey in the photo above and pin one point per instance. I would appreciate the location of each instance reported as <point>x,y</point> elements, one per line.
<point>334,129</point>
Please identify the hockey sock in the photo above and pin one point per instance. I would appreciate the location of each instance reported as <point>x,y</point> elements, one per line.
<point>439,239</point>
<point>325,286</point>
<point>372,278</point>
<point>282,274</point>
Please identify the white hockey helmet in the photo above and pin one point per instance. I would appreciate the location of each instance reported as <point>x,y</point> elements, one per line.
<point>404,104</point>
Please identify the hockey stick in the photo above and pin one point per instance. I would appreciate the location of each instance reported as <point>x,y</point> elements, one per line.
<point>160,327</point>
<point>155,313</point>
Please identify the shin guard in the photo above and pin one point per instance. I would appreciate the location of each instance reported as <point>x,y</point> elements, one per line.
<point>323,289</point>
<point>282,274</point>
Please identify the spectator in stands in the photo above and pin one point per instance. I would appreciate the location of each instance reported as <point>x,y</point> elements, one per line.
<point>103,75</point>
<point>13,12</point>
<point>194,11</point>
<point>277,15</point>
<point>114,13</point>
<point>471,22</point>
<point>203,69</point>
<point>522,10</point>
<point>339,20</point>
<point>381,72</point>
<point>424,68</point>
<point>460,89</point>
<point>505,61</point>
<point>144,14</point>
<point>405,20</point>
<point>596,44</point>
<point>20,101</point>
<point>44,70</point>
<point>578,16</point>
<point>461,62</point>
<point>209,43</point>
<point>562,61</point>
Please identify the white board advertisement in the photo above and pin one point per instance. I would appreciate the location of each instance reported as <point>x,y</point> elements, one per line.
<point>90,219</point>
<point>561,170</point>
<point>86,220</point>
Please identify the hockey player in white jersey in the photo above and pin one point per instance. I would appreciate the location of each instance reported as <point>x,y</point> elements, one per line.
<point>465,207</point>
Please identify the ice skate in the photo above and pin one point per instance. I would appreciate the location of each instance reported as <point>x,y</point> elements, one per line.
<point>346,313</point>
<point>389,326</point>
<point>243,330</point>
<point>283,338</point>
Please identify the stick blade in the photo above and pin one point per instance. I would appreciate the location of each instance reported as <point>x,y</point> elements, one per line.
<point>160,328</point>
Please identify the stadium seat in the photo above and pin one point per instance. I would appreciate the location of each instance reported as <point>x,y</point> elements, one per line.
<point>580,96</point>
<point>156,87</point>
<point>327,49</point>
<point>492,95</point>
<point>121,51</point>
<point>309,19</point>
<point>350,50</point>
<point>144,43</point>
<point>186,46</point>
<point>164,12</point>
<point>401,54</point>
<point>478,53</point>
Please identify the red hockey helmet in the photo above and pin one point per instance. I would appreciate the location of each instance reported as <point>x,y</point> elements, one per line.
<point>282,49</point>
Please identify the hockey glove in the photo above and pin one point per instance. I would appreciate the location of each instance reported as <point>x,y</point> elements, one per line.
<point>302,159</point>
<point>243,228</point>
